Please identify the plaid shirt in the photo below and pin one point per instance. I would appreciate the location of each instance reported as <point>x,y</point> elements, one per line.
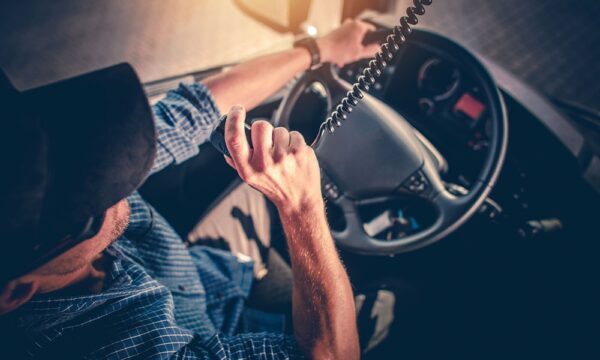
<point>161,299</point>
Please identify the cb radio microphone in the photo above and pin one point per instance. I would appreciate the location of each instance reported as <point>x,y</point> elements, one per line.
<point>217,138</point>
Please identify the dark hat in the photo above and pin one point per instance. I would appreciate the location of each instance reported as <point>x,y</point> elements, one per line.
<point>68,152</point>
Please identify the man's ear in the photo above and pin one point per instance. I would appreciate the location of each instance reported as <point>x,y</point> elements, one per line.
<point>16,293</point>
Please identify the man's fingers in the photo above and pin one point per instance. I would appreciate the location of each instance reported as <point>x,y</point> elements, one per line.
<point>235,137</point>
<point>364,26</point>
<point>262,140</point>
<point>230,162</point>
<point>281,142</point>
<point>371,50</point>
<point>296,141</point>
<point>367,26</point>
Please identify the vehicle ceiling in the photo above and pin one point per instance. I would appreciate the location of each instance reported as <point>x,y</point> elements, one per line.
<point>551,44</point>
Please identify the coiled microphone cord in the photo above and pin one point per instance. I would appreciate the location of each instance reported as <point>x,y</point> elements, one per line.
<point>384,57</point>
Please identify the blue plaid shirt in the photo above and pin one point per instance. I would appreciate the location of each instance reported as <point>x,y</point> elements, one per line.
<point>161,299</point>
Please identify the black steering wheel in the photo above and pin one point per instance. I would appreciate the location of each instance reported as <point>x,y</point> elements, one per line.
<point>378,155</point>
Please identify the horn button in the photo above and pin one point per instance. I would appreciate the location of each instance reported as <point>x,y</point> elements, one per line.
<point>373,153</point>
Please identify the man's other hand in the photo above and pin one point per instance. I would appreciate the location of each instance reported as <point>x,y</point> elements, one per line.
<point>344,45</point>
<point>280,164</point>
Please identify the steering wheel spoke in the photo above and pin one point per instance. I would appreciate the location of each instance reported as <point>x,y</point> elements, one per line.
<point>427,183</point>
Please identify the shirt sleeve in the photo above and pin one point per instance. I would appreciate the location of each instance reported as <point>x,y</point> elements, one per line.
<point>265,346</point>
<point>184,119</point>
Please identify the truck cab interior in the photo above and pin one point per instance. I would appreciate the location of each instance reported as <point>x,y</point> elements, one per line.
<point>490,233</point>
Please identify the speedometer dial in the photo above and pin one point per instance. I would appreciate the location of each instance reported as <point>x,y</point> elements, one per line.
<point>438,79</point>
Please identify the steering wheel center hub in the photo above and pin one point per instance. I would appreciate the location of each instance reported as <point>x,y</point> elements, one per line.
<point>382,145</point>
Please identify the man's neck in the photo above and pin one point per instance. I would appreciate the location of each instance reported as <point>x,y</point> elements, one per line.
<point>91,278</point>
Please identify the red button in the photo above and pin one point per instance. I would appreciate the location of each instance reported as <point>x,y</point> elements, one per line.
<point>470,106</point>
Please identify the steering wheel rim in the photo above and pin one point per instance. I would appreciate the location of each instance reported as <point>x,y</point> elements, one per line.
<point>453,211</point>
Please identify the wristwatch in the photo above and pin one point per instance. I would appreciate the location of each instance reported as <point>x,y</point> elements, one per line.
<point>310,44</point>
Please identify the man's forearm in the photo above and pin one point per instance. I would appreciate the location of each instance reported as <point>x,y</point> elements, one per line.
<point>323,304</point>
<point>252,82</point>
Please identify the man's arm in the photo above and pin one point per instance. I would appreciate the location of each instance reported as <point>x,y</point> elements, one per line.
<point>250,83</point>
<point>323,305</point>
<point>285,169</point>
<point>187,115</point>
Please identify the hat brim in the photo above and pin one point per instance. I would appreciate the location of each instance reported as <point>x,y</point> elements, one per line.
<point>101,141</point>
<point>74,149</point>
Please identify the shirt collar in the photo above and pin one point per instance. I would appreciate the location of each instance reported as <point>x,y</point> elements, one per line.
<point>47,310</point>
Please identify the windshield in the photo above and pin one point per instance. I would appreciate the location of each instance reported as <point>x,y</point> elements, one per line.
<point>51,40</point>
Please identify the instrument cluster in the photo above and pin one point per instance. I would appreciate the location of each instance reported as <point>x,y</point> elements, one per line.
<point>437,95</point>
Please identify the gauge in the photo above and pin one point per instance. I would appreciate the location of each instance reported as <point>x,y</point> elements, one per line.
<point>439,79</point>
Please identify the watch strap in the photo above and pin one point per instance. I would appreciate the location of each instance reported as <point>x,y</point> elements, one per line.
<point>310,44</point>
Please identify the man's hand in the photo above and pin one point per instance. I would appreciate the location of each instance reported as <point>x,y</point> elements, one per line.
<point>285,169</point>
<point>344,45</point>
<point>280,164</point>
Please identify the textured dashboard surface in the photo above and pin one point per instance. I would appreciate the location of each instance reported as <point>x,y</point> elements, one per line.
<point>554,45</point>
